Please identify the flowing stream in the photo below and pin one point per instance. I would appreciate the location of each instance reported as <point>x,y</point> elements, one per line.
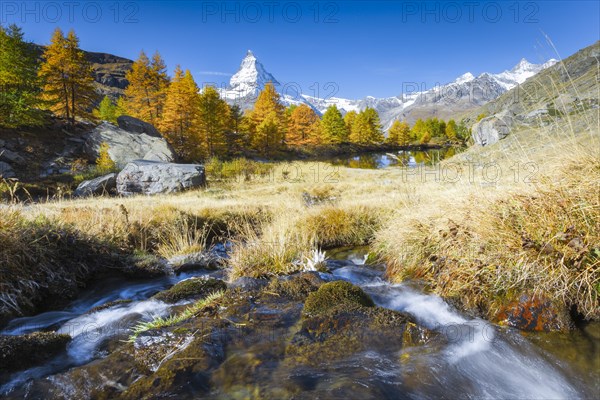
<point>478,360</point>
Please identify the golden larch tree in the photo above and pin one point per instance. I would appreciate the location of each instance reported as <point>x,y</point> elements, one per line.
<point>399,133</point>
<point>180,120</point>
<point>303,126</point>
<point>146,94</point>
<point>267,121</point>
<point>67,76</point>
<point>214,121</point>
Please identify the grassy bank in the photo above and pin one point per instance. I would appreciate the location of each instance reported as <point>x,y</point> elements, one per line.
<point>43,262</point>
<point>485,253</point>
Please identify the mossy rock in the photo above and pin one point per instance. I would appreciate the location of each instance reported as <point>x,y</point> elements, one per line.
<point>23,351</point>
<point>191,289</point>
<point>336,294</point>
<point>297,287</point>
<point>345,330</point>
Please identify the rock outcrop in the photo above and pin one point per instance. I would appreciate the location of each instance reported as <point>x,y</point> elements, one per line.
<point>125,146</point>
<point>151,177</point>
<point>135,125</point>
<point>492,129</point>
<point>98,186</point>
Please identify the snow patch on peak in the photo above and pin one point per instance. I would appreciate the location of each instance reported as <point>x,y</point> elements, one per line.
<point>251,77</point>
<point>549,63</point>
<point>523,64</point>
<point>464,78</point>
<point>520,73</point>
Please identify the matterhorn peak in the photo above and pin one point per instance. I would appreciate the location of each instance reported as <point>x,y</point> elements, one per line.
<point>251,77</point>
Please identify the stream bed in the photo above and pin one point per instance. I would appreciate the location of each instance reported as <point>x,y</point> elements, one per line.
<point>462,357</point>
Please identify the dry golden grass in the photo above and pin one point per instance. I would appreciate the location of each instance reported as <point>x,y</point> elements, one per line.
<point>536,231</point>
<point>44,261</point>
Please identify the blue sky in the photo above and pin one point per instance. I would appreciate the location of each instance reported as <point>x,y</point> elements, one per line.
<point>364,48</point>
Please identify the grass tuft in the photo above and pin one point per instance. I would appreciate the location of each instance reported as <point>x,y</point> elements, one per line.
<point>189,312</point>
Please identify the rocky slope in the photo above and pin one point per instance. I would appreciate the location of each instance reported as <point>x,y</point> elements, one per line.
<point>109,71</point>
<point>567,91</point>
<point>48,152</point>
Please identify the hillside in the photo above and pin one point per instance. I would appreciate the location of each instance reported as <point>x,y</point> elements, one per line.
<point>567,87</point>
<point>109,71</point>
<point>566,93</point>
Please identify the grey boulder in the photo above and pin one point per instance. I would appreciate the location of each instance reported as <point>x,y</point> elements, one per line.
<point>492,129</point>
<point>152,177</point>
<point>134,125</point>
<point>98,186</point>
<point>125,146</point>
<point>6,170</point>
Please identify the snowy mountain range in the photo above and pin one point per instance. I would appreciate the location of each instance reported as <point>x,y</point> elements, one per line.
<point>465,92</point>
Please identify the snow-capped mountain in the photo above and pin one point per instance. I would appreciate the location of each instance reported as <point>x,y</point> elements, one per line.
<point>250,79</point>
<point>520,73</point>
<point>465,92</point>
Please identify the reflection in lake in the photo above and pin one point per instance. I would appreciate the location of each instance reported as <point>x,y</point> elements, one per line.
<point>402,158</point>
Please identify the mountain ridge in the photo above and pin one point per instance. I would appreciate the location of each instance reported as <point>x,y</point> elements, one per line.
<point>465,92</point>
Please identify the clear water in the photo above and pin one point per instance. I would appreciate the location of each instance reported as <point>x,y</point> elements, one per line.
<point>477,361</point>
<point>403,158</point>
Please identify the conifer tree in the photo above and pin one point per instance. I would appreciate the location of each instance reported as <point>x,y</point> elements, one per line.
<point>426,138</point>
<point>290,109</point>
<point>366,128</point>
<point>267,121</point>
<point>333,127</point>
<point>181,117</point>
<point>234,135</point>
<point>451,130</point>
<point>418,129</point>
<point>399,133</point>
<point>375,129</point>
<point>160,84</point>
<point>462,132</point>
<point>303,127</point>
<point>148,84</point>
<point>67,77</point>
<point>268,133</point>
<point>441,128</point>
<point>19,91</point>
<point>349,121</point>
<point>104,164</point>
<point>107,110</point>
<point>214,121</point>
<point>404,136</point>
<point>393,134</point>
